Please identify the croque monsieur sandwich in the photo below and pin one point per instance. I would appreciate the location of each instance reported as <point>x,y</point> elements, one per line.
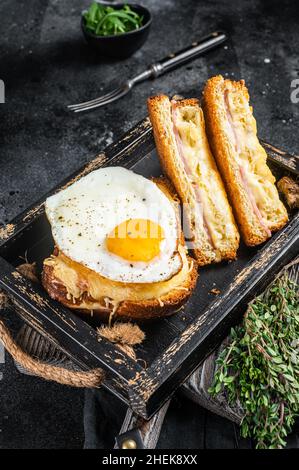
<point>119,247</point>
<point>186,159</point>
<point>242,160</point>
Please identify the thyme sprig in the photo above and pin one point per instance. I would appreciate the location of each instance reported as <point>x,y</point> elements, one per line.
<point>259,369</point>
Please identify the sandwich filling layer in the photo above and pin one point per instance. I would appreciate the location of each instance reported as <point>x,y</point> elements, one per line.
<point>256,177</point>
<point>202,173</point>
<point>81,283</point>
<point>183,152</point>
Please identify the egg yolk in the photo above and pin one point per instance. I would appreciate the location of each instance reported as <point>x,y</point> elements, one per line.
<point>136,240</point>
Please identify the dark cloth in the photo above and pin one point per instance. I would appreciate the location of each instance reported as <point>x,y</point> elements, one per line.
<point>186,425</point>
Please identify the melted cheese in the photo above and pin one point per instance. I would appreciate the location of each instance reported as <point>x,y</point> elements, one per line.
<point>204,174</point>
<point>79,280</point>
<point>250,155</point>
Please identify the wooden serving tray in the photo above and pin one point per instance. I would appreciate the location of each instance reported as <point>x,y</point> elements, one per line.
<point>174,346</point>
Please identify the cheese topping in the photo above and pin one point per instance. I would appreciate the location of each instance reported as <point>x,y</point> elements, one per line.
<point>202,172</point>
<point>79,281</point>
<point>251,158</point>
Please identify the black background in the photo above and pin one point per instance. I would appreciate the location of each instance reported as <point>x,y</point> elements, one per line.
<point>46,65</point>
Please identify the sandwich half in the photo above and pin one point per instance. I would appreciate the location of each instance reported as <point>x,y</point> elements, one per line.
<point>79,282</point>
<point>242,160</point>
<point>186,159</point>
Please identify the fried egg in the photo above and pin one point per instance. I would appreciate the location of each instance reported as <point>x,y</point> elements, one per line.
<point>118,224</point>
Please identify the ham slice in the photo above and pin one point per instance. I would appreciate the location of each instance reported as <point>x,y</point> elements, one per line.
<point>237,145</point>
<point>234,134</point>
<point>198,195</point>
<point>252,200</point>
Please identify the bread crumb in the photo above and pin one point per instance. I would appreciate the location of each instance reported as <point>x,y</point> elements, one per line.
<point>215,291</point>
<point>290,190</point>
<point>3,300</point>
<point>28,270</point>
<point>122,333</point>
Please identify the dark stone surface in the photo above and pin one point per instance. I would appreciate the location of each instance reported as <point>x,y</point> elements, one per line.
<point>46,65</point>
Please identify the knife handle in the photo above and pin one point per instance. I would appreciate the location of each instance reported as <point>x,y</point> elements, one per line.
<point>196,49</point>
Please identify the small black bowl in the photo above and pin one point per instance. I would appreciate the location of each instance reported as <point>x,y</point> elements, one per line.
<point>120,46</point>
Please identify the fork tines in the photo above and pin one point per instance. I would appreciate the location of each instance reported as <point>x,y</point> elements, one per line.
<point>100,101</point>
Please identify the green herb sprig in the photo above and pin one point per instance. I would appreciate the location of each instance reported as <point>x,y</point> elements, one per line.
<point>259,369</point>
<point>107,21</point>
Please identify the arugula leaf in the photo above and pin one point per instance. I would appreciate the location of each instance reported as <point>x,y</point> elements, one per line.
<point>92,12</point>
<point>106,21</point>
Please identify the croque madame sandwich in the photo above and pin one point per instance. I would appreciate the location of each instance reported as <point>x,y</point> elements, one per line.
<point>186,159</point>
<point>242,160</point>
<point>119,247</point>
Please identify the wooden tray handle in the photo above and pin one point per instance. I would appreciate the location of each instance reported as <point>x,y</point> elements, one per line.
<point>90,379</point>
<point>137,433</point>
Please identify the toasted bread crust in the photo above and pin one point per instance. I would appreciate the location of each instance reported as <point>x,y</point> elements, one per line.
<point>127,310</point>
<point>159,110</point>
<point>160,114</point>
<point>251,229</point>
<point>153,308</point>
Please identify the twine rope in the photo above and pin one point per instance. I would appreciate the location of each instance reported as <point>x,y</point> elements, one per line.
<point>81,379</point>
<point>124,335</point>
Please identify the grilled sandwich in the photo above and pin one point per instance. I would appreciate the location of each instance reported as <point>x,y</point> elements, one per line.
<point>187,160</point>
<point>241,160</point>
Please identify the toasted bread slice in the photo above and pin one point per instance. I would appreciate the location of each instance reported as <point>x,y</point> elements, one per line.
<point>186,159</point>
<point>87,292</point>
<point>241,160</point>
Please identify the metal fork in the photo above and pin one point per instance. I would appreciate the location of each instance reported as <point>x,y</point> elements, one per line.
<point>171,62</point>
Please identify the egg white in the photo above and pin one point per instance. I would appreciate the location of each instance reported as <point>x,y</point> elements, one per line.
<point>82,215</point>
